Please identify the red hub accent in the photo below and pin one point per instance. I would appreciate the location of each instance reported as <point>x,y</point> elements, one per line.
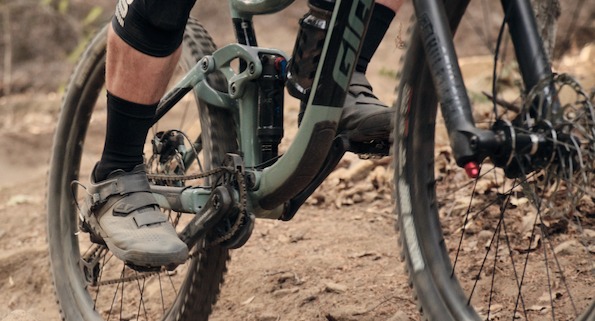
<point>472,169</point>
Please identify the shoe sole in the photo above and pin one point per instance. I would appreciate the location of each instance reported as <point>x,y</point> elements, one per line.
<point>148,260</point>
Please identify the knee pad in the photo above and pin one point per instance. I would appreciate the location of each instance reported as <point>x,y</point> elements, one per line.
<point>153,27</point>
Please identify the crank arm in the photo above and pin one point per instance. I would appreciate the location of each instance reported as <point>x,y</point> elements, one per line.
<point>219,205</point>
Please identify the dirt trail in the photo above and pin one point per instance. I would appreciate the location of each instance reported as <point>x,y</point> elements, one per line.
<point>327,262</point>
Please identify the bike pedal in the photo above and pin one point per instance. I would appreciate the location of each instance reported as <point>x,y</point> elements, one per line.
<point>85,227</point>
<point>96,239</point>
<point>370,150</point>
<point>145,269</point>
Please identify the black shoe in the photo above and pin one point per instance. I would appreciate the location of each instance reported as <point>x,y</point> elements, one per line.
<point>365,117</point>
<point>123,212</point>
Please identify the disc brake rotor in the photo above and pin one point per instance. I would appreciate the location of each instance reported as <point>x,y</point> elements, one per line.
<point>568,176</point>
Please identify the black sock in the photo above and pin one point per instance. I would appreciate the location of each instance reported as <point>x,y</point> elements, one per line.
<point>127,126</point>
<point>380,21</point>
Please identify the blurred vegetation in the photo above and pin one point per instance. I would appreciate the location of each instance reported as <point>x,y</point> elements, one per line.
<point>59,5</point>
<point>41,39</point>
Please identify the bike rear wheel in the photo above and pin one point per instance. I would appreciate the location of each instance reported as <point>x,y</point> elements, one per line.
<point>492,248</point>
<point>90,283</point>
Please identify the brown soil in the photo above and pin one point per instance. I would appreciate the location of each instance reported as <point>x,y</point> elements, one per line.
<point>337,260</point>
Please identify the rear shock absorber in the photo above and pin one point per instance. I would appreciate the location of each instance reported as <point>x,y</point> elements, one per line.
<point>270,105</point>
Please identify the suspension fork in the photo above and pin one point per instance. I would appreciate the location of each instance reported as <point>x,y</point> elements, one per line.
<point>436,38</point>
<point>471,145</point>
<point>530,52</point>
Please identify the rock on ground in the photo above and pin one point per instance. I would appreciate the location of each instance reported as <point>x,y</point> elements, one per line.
<point>19,315</point>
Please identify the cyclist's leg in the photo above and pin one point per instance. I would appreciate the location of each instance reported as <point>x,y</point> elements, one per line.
<point>393,5</point>
<point>365,117</point>
<point>382,16</point>
<point>142,52</point>
<point>135,82</point>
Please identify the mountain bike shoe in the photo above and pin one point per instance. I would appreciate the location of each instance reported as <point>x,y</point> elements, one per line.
<point>123,212</point>
<point>365,117</point>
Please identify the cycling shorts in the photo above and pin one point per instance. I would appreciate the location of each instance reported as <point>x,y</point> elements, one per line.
<point>154,27</point>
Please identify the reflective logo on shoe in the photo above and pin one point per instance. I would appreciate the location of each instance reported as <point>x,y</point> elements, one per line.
<point>122,10</point>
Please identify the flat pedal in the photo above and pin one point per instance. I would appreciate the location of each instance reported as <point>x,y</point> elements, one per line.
<point>148,269</point>
<point>370,150</point>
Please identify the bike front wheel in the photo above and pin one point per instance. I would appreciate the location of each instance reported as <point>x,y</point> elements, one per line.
<point>91,283</point>
<point>494,247</point>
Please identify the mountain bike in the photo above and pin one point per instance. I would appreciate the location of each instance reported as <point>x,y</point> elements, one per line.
<point>215,167</point>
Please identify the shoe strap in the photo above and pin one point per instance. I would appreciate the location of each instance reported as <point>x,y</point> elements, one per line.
<point>361,92</point>
<point>359,83</point>
<point>133,202</point>
<point>121,185</point>
<point>134,196</point>
<point>149,218</point>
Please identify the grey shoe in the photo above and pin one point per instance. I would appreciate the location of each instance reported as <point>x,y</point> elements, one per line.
<point>124,213</point>
<point>364,118</point>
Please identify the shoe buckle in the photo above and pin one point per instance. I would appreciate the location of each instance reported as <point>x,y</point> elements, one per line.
<point>96,201</point>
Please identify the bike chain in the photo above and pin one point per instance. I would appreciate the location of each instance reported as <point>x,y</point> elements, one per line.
<point>239,176</point>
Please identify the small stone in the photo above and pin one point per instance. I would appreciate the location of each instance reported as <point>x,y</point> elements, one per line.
<point>19,315</point>
<point>571,247</point>
<point>343,314</point>
<point>484,237</point>
<point>334,287</point>
<point>268,316</point>
<point>309,298</point>
<point>19,200</point>
<point>285,292</point>
<point>399,316</point>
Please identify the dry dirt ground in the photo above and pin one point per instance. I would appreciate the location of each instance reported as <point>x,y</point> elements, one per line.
<point>337,260</point>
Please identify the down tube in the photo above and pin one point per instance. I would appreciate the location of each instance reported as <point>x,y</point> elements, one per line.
<point>302,161</point>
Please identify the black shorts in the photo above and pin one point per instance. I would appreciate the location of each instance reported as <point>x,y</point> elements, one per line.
<point>154,27</point>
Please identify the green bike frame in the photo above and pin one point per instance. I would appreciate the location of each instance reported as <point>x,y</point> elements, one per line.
<point>275,185</point>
